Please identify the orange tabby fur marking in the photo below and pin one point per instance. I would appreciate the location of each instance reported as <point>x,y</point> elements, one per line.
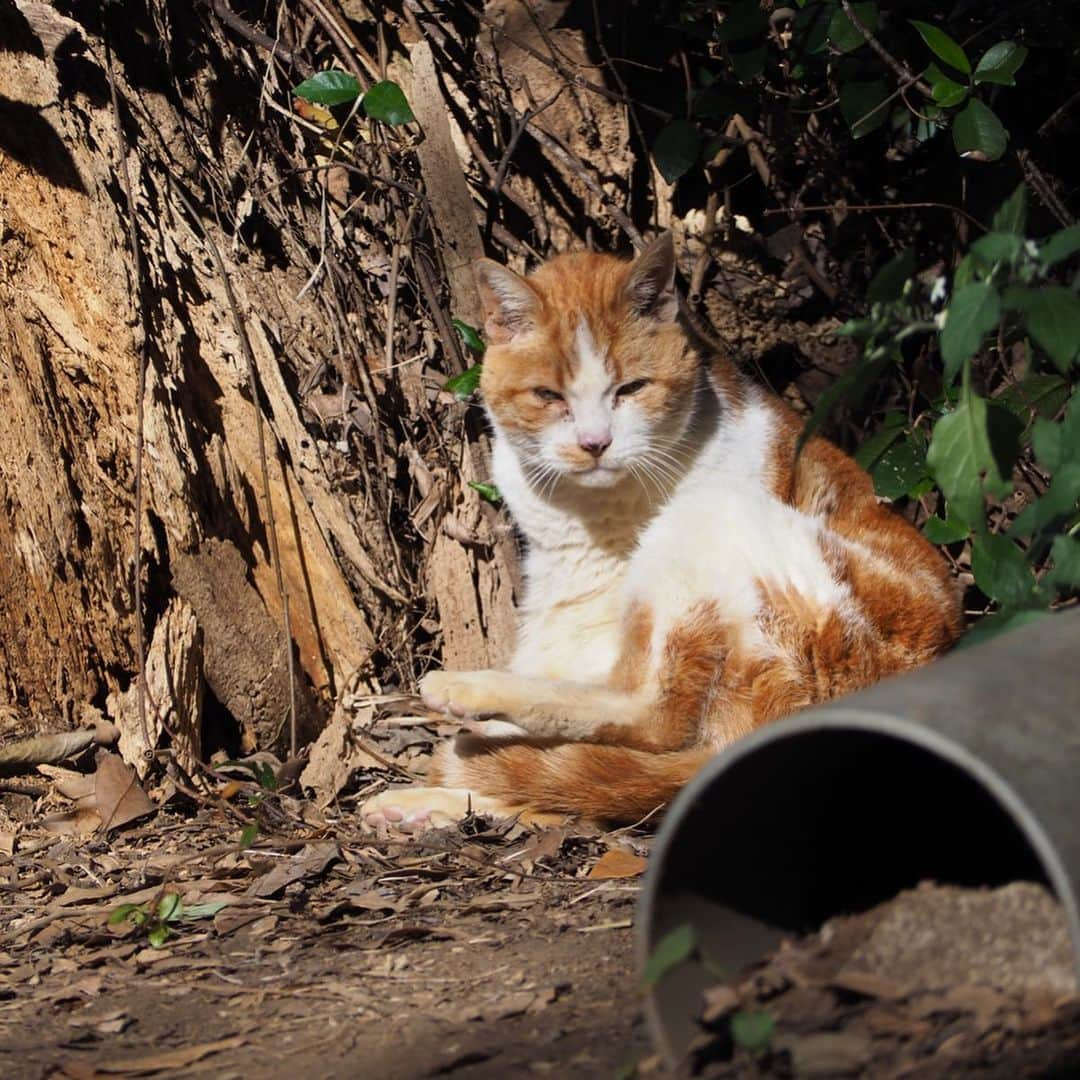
<point>689,578</point>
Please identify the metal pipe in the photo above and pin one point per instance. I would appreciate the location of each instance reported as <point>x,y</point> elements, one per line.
<point>966,772</point>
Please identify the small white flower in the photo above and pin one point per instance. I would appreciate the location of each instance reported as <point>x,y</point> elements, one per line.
<point>939,290</point>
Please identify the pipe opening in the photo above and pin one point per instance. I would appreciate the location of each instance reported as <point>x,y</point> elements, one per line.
<point>826,823</point>
<point>814,824</point>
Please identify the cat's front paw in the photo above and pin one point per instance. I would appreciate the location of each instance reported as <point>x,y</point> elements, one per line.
<point>414,810</point>
<point>417,809</point>
<point>467,693</point>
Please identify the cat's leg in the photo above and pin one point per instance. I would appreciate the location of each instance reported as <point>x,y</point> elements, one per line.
<point>552,708</point>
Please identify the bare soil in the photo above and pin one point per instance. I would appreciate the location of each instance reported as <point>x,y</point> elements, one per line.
<point>482,956</point>
<point>489,951</point>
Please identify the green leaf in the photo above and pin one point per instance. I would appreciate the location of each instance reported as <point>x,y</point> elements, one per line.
<point>972,450</point>
<point>1041,393</point>
<point>671,950</point>
<point>844,35</point>
<point>747,64</point>
<point>1000,63</point>
<point>943,46</point>
<point>743,20</point>
<point>1048,443</point>
<point>899,470</point>
<point>1060,246</point>
<point>1011,215</point>
<point>1056,506</point>
<point>120,914</point>
<point>849,389</point>
<point>464,385</point>
<point>997,247</point>
<point>470,335</point>
<point>488,492</point>
<point>978,133</point>
<point>973,311</point>
<point>386,102</point>
<point>1065,556</point>
<point>1052,317</point>
<point>1001,571</point>
<point>892,428</point>
<point>158,935</point>
<point>676,149</point>
<point>264,774</point>
<point>329,88</point>
<point>888,283</point>
<point>862,105</point>
<point>859,329</point>
<point>203,911</point>
<point>947,92</point>
<point>992,625</point>
<point>944,532</point>
<point>753,1031</point>
<point>248,834</point>
<point>170,907</point>
<point>1057,444</point>
<point>716,102</point>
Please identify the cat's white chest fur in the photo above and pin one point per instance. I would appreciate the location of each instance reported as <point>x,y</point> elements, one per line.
<point>569,621</point>
<point>720,534</point>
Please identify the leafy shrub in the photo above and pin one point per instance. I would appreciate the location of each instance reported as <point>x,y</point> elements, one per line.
<point>1007,334</point>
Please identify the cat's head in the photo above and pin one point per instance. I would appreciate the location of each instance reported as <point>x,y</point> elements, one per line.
<point>587,372</point>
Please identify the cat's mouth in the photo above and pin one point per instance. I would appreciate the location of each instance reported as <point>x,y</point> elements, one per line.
<point>598,474</point>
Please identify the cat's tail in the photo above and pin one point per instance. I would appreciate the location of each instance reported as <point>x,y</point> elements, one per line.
<point>614,784</point>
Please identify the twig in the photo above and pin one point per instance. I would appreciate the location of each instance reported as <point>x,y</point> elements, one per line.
<point>906,76</point>
<point>26,754</point>
<point>271,523</point>
<point>1034,176</point>
<point>578,169</point>
<point>392,288</point>
<point>1057,114</point>
<point>515,137</point>
<point>256,37</point>
<point>864,207</point>
<point>577,80</point>
<point>344,41</point>
<point>697,277</point>
<point>140,391</point>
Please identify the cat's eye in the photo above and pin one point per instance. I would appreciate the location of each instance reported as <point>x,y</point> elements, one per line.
<point>631,387</point>
<point>544,394</point>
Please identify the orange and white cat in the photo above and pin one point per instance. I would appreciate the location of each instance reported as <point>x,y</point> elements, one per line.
<point>689,577</point>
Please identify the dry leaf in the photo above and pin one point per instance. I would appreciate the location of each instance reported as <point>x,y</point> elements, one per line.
<point>310,862</point>
<point>118,797</point>
<point>618,863</point>
<point>337,754</point>
<point>166,1059</point>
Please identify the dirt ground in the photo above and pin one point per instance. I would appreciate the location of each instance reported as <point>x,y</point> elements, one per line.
<point>234,929</point>
<point>484,956</point>
<point>189,944</point>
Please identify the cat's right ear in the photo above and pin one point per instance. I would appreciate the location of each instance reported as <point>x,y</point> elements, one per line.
<point>650,287</point>
<point>510,302</point>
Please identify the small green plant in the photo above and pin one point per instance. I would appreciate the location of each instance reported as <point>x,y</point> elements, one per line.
<point>385,101</point>
<point>1007,333</point>
<point>674,948</point>
<point>752,1030</point>
<point>488,492</point>
<point>159,923</point>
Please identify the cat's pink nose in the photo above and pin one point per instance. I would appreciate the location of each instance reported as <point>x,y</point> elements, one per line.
<point>594,444</point>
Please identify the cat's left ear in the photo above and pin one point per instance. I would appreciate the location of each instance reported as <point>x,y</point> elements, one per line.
<point>650,287</point>
<point>510,302</point>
